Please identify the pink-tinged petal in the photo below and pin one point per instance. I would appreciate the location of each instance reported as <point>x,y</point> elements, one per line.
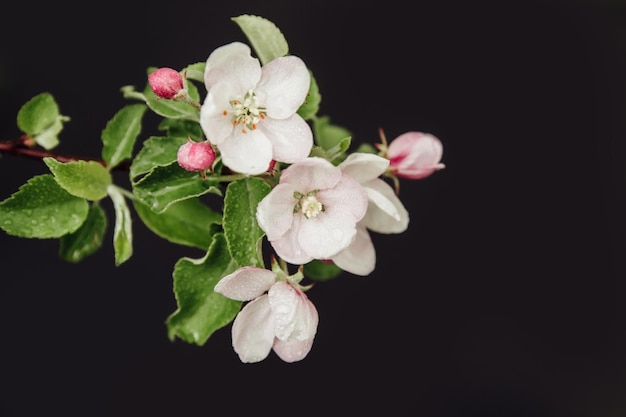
<point>284,299</point>
<point>327,234</point>
<point>248,153</point>
<point>360,257</point>
<point>415,155</point>
<point>385,213</point>
<point>283,87</point>
<point>307,319</point>
<point>288,246</point>
<point>246,283</point>
<point>253,331</point>
<point>274,213</point>
<point>216,125</point>
<point>292,351</point>
<point>348,196</point>
<point>311,174</point>
<point>233,64</point>
<point>292,138</point>
<point>364,166</point>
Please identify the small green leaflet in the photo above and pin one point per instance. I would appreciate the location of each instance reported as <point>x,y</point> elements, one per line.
<point>201,311</point>
<point>240,226</point>
<point>122,233</point>
<point>74,247</point>
<point>328,135</point>
<point>40,119</point>
<point>195,71</point>
<point>84,179</point>
<point>266,39</point>
<point>120,134</point>
<point>42,209</point>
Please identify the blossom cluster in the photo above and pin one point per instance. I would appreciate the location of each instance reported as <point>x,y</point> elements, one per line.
<point>287,177</point>
<point>316,211</point>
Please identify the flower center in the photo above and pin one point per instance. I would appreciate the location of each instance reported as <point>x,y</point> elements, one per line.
<point>246,111</point>
<point>308,204</point>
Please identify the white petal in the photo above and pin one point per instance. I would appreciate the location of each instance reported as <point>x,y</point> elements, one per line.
<point>247,153</point>
<point>379,217</point>
<point>283,87</point>
<point>288,246</point>
<point>246,283</point>
<point>348,195</point>
<point>295,316</point>
<point>326,235</point>
<point>233,64</point>
<point>253,331</point>
<point>215,124</point>
<point>360,257</point>
<point>292,351</point>
<point>364,166</point>
<point>283,299</point>
<point>292,138</point>
<point>311,174</point>
<point>274,213</point>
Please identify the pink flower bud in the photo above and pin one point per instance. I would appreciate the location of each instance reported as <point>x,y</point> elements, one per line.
<point>415,155</point>
<point>196,156</point>
<point>165,82</point>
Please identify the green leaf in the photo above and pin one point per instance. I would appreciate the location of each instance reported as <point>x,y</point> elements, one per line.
<point>42,209</point>
<point>328,135</point>
<point>311,105</point>
<point>182,128</point>
<point>240,226</point>
<point>74,247</point>
<point>40,119</point>
<point>120,134</point>
<point>156,151</point>
<point>321,271</point>
<point>201,311</point>
<point>337,151</point>
<point>187,222</point>
<point>122,233</point>
<point>84,179</point>
<point>169,184</point>
<point>266,39</point>
<point>195,71</point>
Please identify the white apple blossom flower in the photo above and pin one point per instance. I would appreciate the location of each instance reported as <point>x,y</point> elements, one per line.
<point>385,212</point>
<point>249,112</point>
<point>279,315</point>
<point>312,212</point>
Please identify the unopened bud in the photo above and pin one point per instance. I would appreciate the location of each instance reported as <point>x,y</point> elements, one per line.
<point>165,82</point>
<point>196,156</point>
<point>415,155</point>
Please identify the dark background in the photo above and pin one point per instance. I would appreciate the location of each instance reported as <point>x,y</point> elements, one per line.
<point>505,297</point>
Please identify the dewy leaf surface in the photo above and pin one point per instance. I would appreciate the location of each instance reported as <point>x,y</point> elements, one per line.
<point>74,247</point>
<point>42,209</point>
<point>240,226</point>
<point>167,185</point>
<point>156,151</point>
<point>187,222</point>
<point>201,311</point>
<point>266,39</point>
<point>120,134</point>
<point>84,179</point>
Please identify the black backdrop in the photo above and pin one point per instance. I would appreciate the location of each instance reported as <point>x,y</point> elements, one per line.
<point>503,298</point>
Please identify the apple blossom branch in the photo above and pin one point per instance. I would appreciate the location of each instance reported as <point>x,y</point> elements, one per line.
<point>24,147</point>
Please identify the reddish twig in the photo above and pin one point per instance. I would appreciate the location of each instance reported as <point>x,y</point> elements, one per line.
<point>24,147</point>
